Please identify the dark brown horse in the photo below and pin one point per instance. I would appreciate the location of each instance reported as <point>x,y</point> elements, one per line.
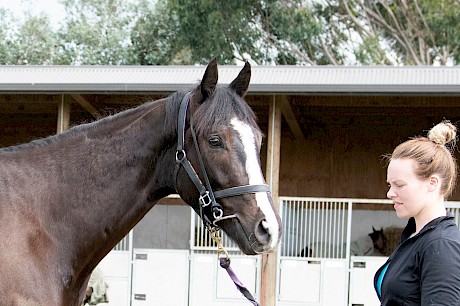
<point>65,201</point>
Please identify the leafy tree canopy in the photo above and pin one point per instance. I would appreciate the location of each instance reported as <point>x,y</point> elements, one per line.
<point>286,32</point>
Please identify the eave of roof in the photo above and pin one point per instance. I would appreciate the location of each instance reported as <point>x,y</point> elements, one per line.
<point>265,79</point>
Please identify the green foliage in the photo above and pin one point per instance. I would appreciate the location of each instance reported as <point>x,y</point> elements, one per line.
<point>371,52</point>
<point>188,32</point>
<point>293,25</point>
<point>28,43</point>
<point>279,32</point>
<point>5,39</point>
<point>416,32</point>
<point>221,29</point>
<point>443,19</point>
<point>287,32</point>
<point>34,45</point>
<point>156,38</point>
<point>96,32</point>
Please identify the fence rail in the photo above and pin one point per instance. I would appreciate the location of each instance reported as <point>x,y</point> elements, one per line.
<point>320,227</point>
<point>312,227</point>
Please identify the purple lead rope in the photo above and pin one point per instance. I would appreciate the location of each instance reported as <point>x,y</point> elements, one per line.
<point>225,263</point>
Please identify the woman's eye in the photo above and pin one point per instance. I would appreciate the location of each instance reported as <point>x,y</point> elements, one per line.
<point>215,141</point>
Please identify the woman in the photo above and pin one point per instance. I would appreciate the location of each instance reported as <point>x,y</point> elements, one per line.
<point>425,267</point>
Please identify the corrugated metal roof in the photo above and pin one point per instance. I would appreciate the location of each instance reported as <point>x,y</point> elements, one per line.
<point>265,79</point>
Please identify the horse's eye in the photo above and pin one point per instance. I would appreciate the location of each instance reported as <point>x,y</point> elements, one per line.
<point>215,141</point>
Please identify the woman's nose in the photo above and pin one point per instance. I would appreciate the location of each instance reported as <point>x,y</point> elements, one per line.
<point>390,193</point>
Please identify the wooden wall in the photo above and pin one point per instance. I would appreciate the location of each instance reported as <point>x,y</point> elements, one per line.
<point>346,137</point>
<point>17,129</point>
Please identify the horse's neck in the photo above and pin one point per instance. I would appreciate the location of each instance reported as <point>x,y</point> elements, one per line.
<point>127,148</point>
<point>120,166</point>
<point>135,154</point>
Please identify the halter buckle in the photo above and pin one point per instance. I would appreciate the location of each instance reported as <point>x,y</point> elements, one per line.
<point>205,199</point>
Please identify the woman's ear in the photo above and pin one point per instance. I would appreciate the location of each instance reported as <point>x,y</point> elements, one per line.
<point>434,183</point>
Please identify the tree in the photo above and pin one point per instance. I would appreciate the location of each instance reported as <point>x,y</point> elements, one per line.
<point>5,36</point>
<point>266,32</point>
<point>97,32</point>
<point>415,32</point>
<point>284,32</point>
<point>303,34</point>
<point>156,38</point>
<point>30,42</point>
<point>189,32</point>
<point>35,42</point>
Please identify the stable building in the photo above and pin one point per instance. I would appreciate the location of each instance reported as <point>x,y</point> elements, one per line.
<point>326,129</point>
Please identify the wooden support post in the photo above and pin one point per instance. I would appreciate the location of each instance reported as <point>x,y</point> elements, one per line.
<point>63,121</point>
<point>268,281</point>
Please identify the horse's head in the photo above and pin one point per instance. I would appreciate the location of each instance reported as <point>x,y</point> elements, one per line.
<point>379,239</point>
<point>228,141</point>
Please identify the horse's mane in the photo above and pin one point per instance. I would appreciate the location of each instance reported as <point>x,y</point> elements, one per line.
<point>33,144</point>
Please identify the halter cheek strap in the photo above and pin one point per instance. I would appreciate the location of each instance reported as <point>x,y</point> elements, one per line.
<point>206,197</point>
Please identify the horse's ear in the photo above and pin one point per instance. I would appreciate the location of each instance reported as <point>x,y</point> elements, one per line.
<point>241,83</point>
<point>209,81</point>
<point>373,229</point>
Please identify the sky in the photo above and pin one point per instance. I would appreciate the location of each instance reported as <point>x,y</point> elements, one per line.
<point>52,8</point>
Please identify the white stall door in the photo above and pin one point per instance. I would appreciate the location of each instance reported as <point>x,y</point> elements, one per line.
<point>210,285</point>
<point>160,277</point>
<point>319,282</point>
<point>117,274</point>
<point>362,273</point>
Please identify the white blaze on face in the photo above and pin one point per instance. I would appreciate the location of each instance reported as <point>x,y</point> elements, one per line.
<point>256,178</point>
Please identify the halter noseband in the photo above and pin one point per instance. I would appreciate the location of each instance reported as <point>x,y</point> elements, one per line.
<point>207,195</point>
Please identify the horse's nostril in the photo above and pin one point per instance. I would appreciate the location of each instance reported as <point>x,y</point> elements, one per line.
<point>266,226</point>
<point>263,232</point>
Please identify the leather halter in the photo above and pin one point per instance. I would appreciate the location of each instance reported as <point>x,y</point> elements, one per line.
<point>207,195</point>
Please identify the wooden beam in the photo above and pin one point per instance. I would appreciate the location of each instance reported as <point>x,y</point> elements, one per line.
<point>290,117</point>
<point>87,106</point>
<point>63,120</point>
<point>268,275</point>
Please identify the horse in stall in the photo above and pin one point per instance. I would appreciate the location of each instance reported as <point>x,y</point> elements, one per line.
<point>67,200</point>
<point>379,241</point>
<point>374,244</point>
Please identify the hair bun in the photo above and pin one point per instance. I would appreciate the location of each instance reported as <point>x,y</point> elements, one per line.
<point>442,133</point>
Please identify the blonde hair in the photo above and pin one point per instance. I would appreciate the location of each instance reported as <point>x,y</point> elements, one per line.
<point>432,155</point>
